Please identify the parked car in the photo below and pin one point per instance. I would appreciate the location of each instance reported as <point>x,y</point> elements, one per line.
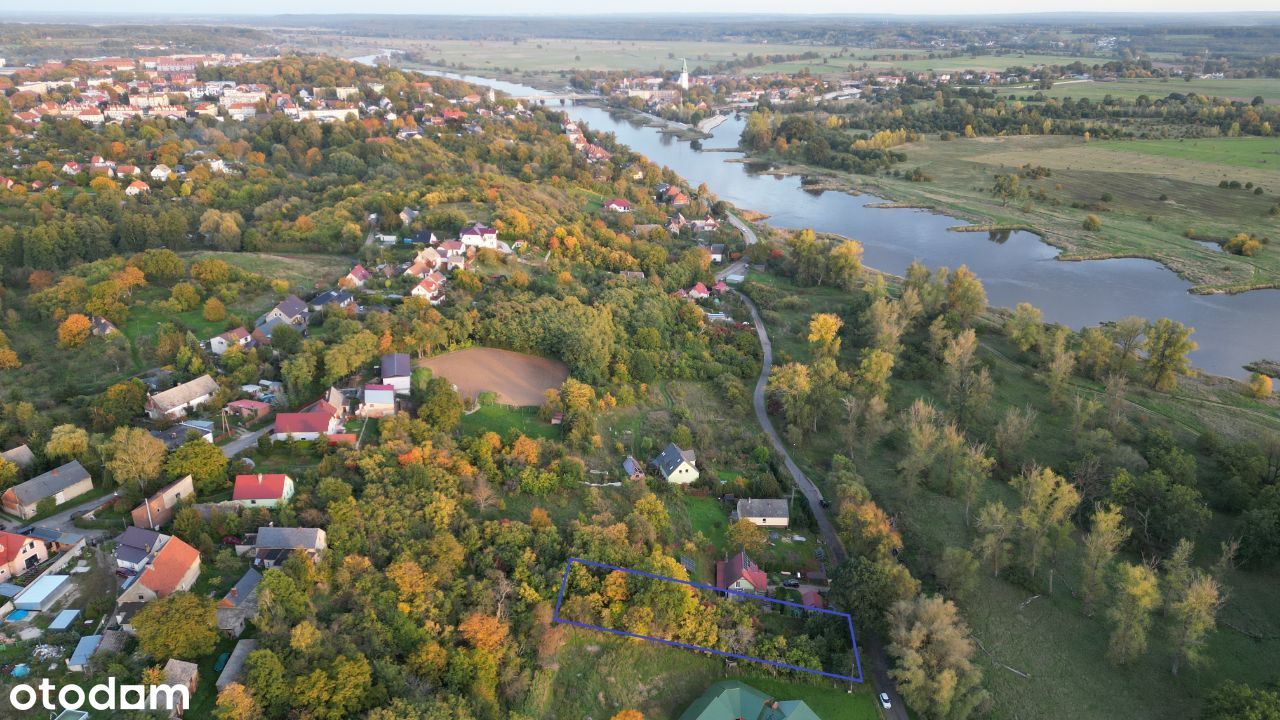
<point>884,701</point>
<point>791,583</point>
<point>824,503</point>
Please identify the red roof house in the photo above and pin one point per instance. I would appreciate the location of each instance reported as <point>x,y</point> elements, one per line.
<point>174,569</point>
<point>741,573</point>
<point>262,490</point>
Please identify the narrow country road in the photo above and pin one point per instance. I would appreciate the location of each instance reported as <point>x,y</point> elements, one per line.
<point>244,442</point>
<point>875,658</point>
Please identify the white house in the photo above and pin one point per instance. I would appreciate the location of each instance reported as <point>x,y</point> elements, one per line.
<point>161,172</point>
<point>765,513</point>
<point>481,236</point>
<point>219,344</point>
<point>176,401</point>
<point>676,465</point>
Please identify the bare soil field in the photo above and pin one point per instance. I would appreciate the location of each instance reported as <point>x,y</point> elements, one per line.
<point>516,378</point>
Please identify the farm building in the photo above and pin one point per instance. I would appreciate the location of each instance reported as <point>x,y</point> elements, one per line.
<point>61,483</point>
<point>234,668</point>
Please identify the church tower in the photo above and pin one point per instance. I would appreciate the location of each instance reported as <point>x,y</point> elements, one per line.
<point>684,74</point>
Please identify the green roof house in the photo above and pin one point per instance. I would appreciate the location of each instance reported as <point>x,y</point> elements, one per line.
<point>732,700</point>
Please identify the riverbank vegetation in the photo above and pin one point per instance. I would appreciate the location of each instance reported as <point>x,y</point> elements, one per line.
<point>1107,540</point>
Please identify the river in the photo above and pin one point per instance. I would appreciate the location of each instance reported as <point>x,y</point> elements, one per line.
<point>1231,329</point>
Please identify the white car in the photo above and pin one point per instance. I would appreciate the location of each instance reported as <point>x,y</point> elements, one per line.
<point>884,701</point>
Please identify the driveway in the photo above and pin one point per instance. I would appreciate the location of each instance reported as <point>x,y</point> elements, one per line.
<point>874,655</point>
<point>244,442</point>
<point>62,520</point>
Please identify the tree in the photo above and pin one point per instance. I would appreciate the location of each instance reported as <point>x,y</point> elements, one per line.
<point>933,653</point>
<point>67,442</point>
<point>995,527</point>
<point>844,264</point>
<point>873,586</point>
<point>202,460</point>
<point>74,331</point>
<point>182,625</point>
<point>922,435</point>
<point>824,335</point>
<point>1012,434</point>
<point>134,456</point>
<point>1048,502</point>
<point>117,405</point>
<point>439,405</point>
<point>1127,333</point>
<point>483,631</point>
<point>1260,527</point>
<point>1092,223</point>
<point>235,703</point>
<point>1236,701</point>
<point>1194,614</point>
<point>966,298</point>
<point>792,385</point>
<point>1104,538</point>
<point>746,535</point>
<point>1260,386</point>
<point>957,572</point>
<point>214,310</point>
<point>1025,326</point>
<point>1137,594</point>
<point>1168,343</point>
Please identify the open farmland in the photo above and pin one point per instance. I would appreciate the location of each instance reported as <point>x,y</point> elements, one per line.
<point>515,378</point>
<point>1244,89</point>
<point>550,55</point>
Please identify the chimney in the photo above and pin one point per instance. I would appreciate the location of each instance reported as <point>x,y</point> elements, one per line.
<point>235,592</point>
<point>259,478</point>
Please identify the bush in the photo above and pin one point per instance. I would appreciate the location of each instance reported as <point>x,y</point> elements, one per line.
<point>1092,223</point>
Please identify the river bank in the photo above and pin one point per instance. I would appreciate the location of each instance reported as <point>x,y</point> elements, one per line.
<point>1130,229</point>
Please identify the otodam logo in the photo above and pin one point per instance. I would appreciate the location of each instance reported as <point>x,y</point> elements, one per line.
<point>103,696</point>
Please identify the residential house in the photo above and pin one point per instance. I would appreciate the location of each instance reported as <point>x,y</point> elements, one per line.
<point>178,674</point>
<point>676,465</point>
<point>408,215</point>
<point>159,509</point>
<point>291,310</point>
<point>429,289</point>
<point>176,401</point>
<point>698,292</point>
<point>396,372</point>
<point>480,236</point>
<point>379,401</point>
<point>618,205</point>
<point>271,546</point>
<point>136,546</point>
<point>306,425</point>
<point>137,187</point>
<point>262,490</point>
<point>71,167</point>
<point>174,569</point>
<point>161,172</point>
<point>340,299</point>
<point>717,252</point>
<point>20,553</point>
<point>238,337</point>
<point>765,513</point>
<point>735,700</point>
<point>20,456</point>
<point>356,278</point>
<point>742,574</point>
<point>239,604</point>
<point>61,484</point>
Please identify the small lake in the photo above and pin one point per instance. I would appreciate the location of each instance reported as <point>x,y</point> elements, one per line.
<point>1231,329</point>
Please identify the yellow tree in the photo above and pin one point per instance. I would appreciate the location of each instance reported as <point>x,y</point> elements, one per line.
<point>824,335</point>
<point>74,331</point>
<point>746,535</point>
<point>484,632</point>
<point>235,703</point>
<point>1137,595</point>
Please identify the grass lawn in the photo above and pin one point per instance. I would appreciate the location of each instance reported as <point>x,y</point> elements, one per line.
<point>597,675</point>
<point>508,422</point>
<point>1250,152</point>
<point>303,271</point>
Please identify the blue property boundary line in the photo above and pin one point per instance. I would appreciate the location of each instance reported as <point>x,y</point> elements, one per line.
<point>564,583</point>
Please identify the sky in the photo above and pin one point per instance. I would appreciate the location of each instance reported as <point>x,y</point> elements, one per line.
<point>554,7</point>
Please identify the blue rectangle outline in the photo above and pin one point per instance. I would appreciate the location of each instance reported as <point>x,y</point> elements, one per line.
<point>564,583</point>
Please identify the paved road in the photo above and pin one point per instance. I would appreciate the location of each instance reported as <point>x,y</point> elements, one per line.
<point>244,442</point>
<point>874,655</point>
<point>62,521</point>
